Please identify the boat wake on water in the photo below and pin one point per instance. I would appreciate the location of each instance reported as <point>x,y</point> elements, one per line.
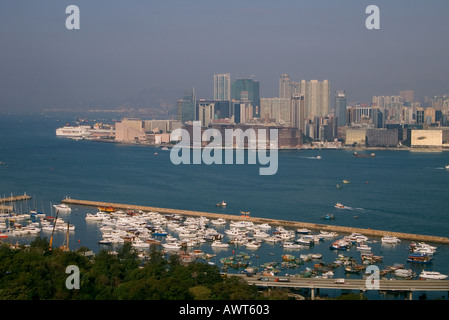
<point>340,206</point>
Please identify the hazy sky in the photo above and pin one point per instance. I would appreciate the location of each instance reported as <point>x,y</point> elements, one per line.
<point>125,47</point>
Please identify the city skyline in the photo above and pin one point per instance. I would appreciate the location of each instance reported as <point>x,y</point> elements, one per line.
<point>160,49</point>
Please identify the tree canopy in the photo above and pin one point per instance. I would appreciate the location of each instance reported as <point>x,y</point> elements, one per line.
<point>35,272</point>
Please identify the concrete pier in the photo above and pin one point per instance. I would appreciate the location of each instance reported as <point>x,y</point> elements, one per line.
<point>15,198</point>
<point>275,222</point>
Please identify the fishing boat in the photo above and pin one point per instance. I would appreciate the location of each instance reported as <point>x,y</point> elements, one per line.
<point>106,209</point>
<point>433,275</point>
<point>447,167</point>
<point>346,181</point>
<point>328,217</point>
<point>221,204</point>
<point>338,205</point>
<point>339,245</point>
<point>288,257</point>
<point>355,268</point>
<point>419,258</point>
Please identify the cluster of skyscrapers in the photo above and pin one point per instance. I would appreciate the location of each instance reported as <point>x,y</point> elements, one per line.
<point>238,101</point>
<point>310,107</point>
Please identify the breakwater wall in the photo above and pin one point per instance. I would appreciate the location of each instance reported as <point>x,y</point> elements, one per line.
<point>274,222</point>
<point>15,198</point>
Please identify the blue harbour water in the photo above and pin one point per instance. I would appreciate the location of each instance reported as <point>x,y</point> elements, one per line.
<point>399,191</point>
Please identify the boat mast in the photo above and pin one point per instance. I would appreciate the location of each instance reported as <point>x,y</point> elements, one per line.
<point>54,226</point>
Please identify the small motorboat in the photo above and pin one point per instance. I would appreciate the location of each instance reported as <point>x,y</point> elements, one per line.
<point>339,206</point>
<point>328,217</point>
<point>221,204</point>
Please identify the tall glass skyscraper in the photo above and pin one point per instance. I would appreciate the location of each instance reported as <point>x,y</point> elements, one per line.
<point>340,108</point>
<point>188,106</point>
<point>246,90</point>
<point>222,87</point>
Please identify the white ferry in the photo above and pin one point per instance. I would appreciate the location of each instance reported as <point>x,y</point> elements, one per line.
<point>72,132</point>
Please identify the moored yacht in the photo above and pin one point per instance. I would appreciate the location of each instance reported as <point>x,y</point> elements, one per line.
<point>291,245</point>
<point>390,240</point>
<point>219,221</point>
<point>219,244</point>
<point>433,275</point>
<point>363,247</point>
<point>63,208</point>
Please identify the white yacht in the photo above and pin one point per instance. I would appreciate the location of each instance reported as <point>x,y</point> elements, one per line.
<point>172,246</point>
<point>432,275</point>
<point>328,234</point>
<point>390,240</point>
<point>291,245</point>
<point>264,226</point>
<point>252,244</point>
<point>403,273</point>
<point>363,247</point>
<point>219,221</point>
<point>260,234</point>
<point>357,237</point>
<point>62,208</point>
<point>303,231</point>
<point>219,244</point>
<point>138,243</point>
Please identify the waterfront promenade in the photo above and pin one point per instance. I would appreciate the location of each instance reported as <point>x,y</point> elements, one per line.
<point>274,222</point>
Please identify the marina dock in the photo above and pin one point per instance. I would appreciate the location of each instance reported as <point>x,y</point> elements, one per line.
<point>274,222</point>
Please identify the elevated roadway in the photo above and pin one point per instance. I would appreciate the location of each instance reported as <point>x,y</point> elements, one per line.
<point>362,285</point>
